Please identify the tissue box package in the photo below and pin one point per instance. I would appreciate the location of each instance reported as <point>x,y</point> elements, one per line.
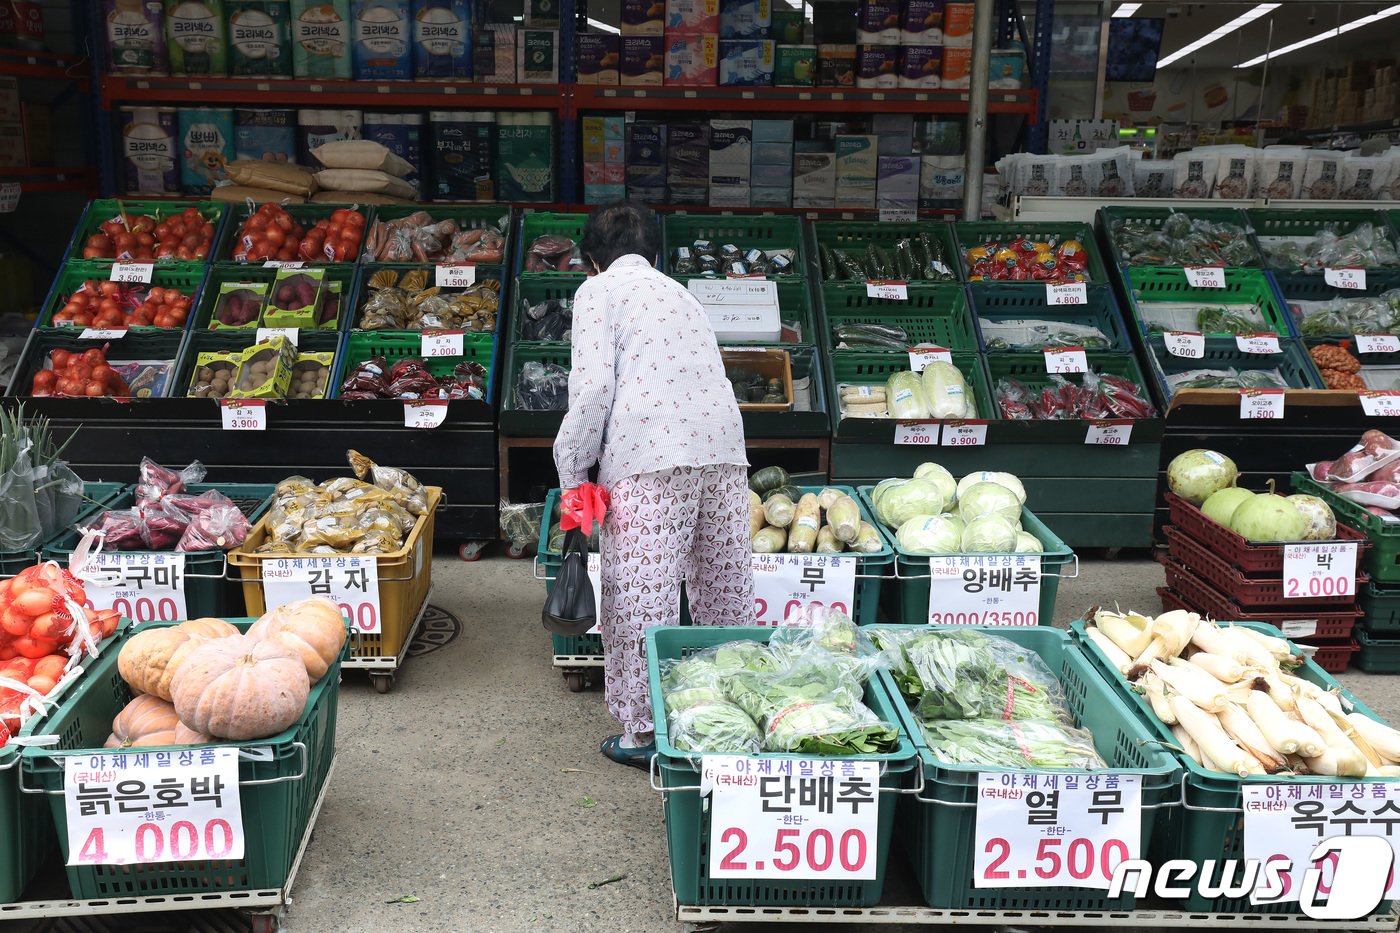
<point>745,19</point>
<point>877,66</point>
<point>957,63</point>
<point>692,61</point>
<point>921,66</point>
<point>921,22</point>
<point>599,58</point>
<point>957,24</point>
<point>493,54</point>
<point>746,62</point>
<point>643,17</point>
<point>814,179</point>
<point>537,56</point>
<point>1007,70</point>
<point>877,22</point>
<point>836,65</point>
<point>603,139</point>
<point>643,60</point>
<point>897,182</point>
<point>689,17</point>
<point>940,180</point>
<point>797,66</point>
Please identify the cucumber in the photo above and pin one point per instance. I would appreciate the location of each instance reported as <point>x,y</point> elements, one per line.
<point>831,272</point>
<point>769,478</point>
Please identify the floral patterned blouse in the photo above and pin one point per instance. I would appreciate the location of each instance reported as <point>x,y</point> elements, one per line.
<point>647,390</point>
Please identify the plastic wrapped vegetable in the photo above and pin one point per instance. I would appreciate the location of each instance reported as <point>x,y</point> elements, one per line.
<point>219,527</point>
<point>947,392</point>
<point>827,542</point>
<point>769,540</point>
<point>542,387</point>
<point>1018,745</point>
<point>155,482</point>
<point>867,540</point>
<point>843,515</point>
<point>829,729</point>
<point>806,522</point>
<point>779,510</point>
<point>718,728</point>
<point>904,392</point>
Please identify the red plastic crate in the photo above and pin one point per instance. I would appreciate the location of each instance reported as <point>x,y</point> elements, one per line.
<point>1249,592</point>
<point>1201,597</point>
<point>1266,559</point>
<point>1332,657</point>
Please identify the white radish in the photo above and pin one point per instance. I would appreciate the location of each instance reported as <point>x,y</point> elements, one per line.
<point>1278,648</point>
<point>1188,744</point>
<point>1276,727</point>
<point>1222,668</point>
<point>1171,633</point>
<point>1320,720</point>
<point>1156,693</point>
<point>1279,691</point>
<point>1130,632</point>
<point>1193,683</point>
<point>1209,638</point>
<point>1389,771</point>
<point>1246,650</point>
<point>1237,724</point>
<point>1215,743</point>
<point>1116,655</point>
<point>1328,698</point>
<point>1382,738</point>
<point>1339,762</point>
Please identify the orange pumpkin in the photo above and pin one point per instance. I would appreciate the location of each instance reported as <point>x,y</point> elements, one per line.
<point>150,658</point>
<point>313,628</point>
<point>145,721</point>
<point>184,735</point>
<point>239,688</point>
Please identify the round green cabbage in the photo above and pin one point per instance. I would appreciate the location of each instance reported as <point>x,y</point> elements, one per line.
<point>990,534</point>
<point>931,534</point>
<point>1027,543</point>
<point>903,502</point>
<point>1001,479</point>
<point>989,499</point>
<point>942,478</point>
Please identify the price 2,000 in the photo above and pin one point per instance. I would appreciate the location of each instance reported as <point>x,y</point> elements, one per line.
<point>818,854</point>
<point>793,605</point>
<point>184,840</point>
<point>1078,860</point>
<point>1318,586</point>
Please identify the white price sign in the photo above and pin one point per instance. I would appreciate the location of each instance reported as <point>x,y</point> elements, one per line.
<point>456,276</point>
<point>1109,433</point>
<point>1345,278</point>
<point>1298,628</point>
<point>142,808</point>
<point>102,333</point>
<point>438,343</point>
<point>349,581</point>
<point>898,215</point>
<point>1381,403</point>
<point>916,433</point>
<point>1313,570</point>
<point>1205,276</point>
<point>595,577</point>
<point>1284,823</point>
<point>1377,343</point>
<point>139,272</point>
<point>290,334</point>
<point>964,434</point>
<point>1066,360</point>
<point>1066,293</point>
<point>424,413</point>
<point>891,291</point>
<point>1037,830</point>
<point>788,583</point>
<point>1186,344</point>
<point>1258,343</point>
<point>984,589</point>
<point>243,414</point>
<point>143,587</point>
<point>921,357</point>
<point>812,818</point>
<point>283,264</point>
<point>1261,404</point>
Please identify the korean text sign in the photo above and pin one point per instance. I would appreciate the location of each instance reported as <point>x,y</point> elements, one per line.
<point>351,582</point>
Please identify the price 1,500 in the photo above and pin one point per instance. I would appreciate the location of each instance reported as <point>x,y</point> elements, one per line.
<point>183,840</point>
<point>1078,862</point>
<point>817,854</point>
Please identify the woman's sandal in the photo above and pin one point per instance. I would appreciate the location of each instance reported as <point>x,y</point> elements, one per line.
<point>639,757</point>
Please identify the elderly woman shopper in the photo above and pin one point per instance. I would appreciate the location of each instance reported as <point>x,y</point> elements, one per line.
<point>649,404</point>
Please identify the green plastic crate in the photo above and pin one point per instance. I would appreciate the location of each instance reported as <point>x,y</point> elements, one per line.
<point>1147,286</point>
<point>857,235</point>
<point>222,273</point>
<point>1377,655</point>
<point>102,210</point>
<point>1029,370</point>
<point>939,825</point>
<point>1209,824</point>
<point>467,216</point>
<point>143,344</point>
<point>362,291</point>
<point>1382,607</point>
<point>688,821</point>
<point>96,496</point>
<point>235,341</point>
<point>277,796</point>
<point>937,314</point>
<point>1000,301</point>
<point>304,214</point>
<point>865,367</point>
<point>361,345</point>
<point>1383,560</point>
<point>187,277</point>
<point>535,224</point>
<point>1271,223</point>
<point>535,289</point>
<point>970,233</point>
<point>517,422</point>
<point>909,605</point>
<point>1294,364</point>
<point>207,591</point>
<point>1295,287</point>
<point>744,231</point>
<point>1152,218</point>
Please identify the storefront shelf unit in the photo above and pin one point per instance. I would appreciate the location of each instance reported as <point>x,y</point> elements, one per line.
<point>761,232</point>
<point>187,277</point>
<point>304,215</point>
<point>1221,353</point>
<point>1002,301</point>
<point>145,345</point>
<point>938,827</point>
<point>1147,287</point>
<point>226,273</point>
<point>277,793</point>
<point>688,821</point>
<point>1152,219</point>
<point>1209,826</point>
<point>99,211</point>
<point>974,233</point>
<point>935,315</point>
<point>873,368</point>
<point>857,236</point>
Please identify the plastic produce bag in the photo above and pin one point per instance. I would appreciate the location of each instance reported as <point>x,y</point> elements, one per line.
<point>826,728</point>
<point>119,530</point>
<point>1021,744</point>
<point>20,524</point>
<point>520,522</point>
<point>156,482</point>
<point>403,487</point>
<point>219,527</point>
<point>542,387</point>
<point>717,727</point>
<point>947,392</point>
<point>905,396</point>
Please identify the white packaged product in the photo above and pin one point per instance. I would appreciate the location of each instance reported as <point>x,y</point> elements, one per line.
<point>1365,178</point>
<point>1153,178</point>
<point>1072,176</point>
<point>1035,176</point>
<point>1194,173</point>
<point>1235,175</point>
<point>947,392</point>
<point>1280,172</point>
<point>1110,174</point>
<point>1322,179</point>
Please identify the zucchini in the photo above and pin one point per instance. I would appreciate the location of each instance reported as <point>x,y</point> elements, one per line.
<point>849,265</point>
<point>831,272</point>
<point>768,479</point>
<point>877,336</point>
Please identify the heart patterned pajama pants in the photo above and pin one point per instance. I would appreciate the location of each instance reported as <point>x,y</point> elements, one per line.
<point>688,523</point>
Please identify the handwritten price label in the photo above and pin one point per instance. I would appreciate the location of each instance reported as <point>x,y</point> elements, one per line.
<point>890,291</point>
<point>1066,293</point>
<point>438,343</point>
<point>456,276</point>
<point>1345,278</point>
<point>788,583</point>
<point>1377,343</point>
<point>1315,571</point>
<point>424,413</point>
<point>921,357</point>
<point>243,414</point>
<point>1258,343</point>
<point>964,434</point>
<point>1261,404</point>
<point>1205,276</point>
<point>284,264</point>
<point>1381,404</point>
<point>102,333</point>
<point>138,272</point>
<point>289,333</point>
<point>1188,345</point>
<point>1109,433</point>
<point>1066,360</point>
<point>916,433</point>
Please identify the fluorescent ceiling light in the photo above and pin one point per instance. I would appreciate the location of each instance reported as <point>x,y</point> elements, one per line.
<point>1215,34</point>
<point>603,26</point>
<point>1346,27</point>
<point>1126,10</point>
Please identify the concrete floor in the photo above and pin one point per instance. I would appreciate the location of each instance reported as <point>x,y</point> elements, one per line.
<point>477,788</point>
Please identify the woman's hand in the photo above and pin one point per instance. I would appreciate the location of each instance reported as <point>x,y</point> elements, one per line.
<point>583,505</point>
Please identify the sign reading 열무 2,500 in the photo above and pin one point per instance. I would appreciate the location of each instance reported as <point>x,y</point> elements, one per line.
<point>351,582</point>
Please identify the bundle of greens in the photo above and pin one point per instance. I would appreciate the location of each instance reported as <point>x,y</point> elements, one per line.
<point>1011,744</point>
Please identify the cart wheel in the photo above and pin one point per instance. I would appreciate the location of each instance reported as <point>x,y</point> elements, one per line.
<point>264,923</point>
<point>702,927</point>
<point>575,680</point>
<point>1112,553</point>
<point>471,550</point>
<point>383,683</point>
<point>516,551</point>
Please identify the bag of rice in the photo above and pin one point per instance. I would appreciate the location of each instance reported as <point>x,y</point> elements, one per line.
<point>366,181</point>
<point>362,154</point>
<point>276,176</point>
<point>1322,177</point>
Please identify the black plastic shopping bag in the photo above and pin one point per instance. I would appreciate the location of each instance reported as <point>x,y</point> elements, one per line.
<point>571,608</point>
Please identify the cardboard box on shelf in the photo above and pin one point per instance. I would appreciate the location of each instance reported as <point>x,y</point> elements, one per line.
<point>745,19</point>
<point>940,180</point>
<point>493,53</point>
<point>688,154</point>
<point>836,65</point>
<point>692,60</point>
<point>814,179</point>
<point>604,173</point>
<point>646,145</point>
<point>789,27</point>
<point>921,22</point>
<point>771,197</point>
<point>599,58</point>
<point>856,158</point>
<point>897,182</point>
<point>730,195</point>
<point>525,150</point>
<point>604,194</point>
<point>772,131</point>
<point>603,139</point>
<point>746,62</point>
<point>762,175</point>
<point>643,18</point>
<point>877,22</point>
<point>877,66</point>
<point>896,132</point>
<point>689,17</point>
<point>643,60</point>
<point>1007,70</point>
<point>772,154</point>
<point>796,67</point>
